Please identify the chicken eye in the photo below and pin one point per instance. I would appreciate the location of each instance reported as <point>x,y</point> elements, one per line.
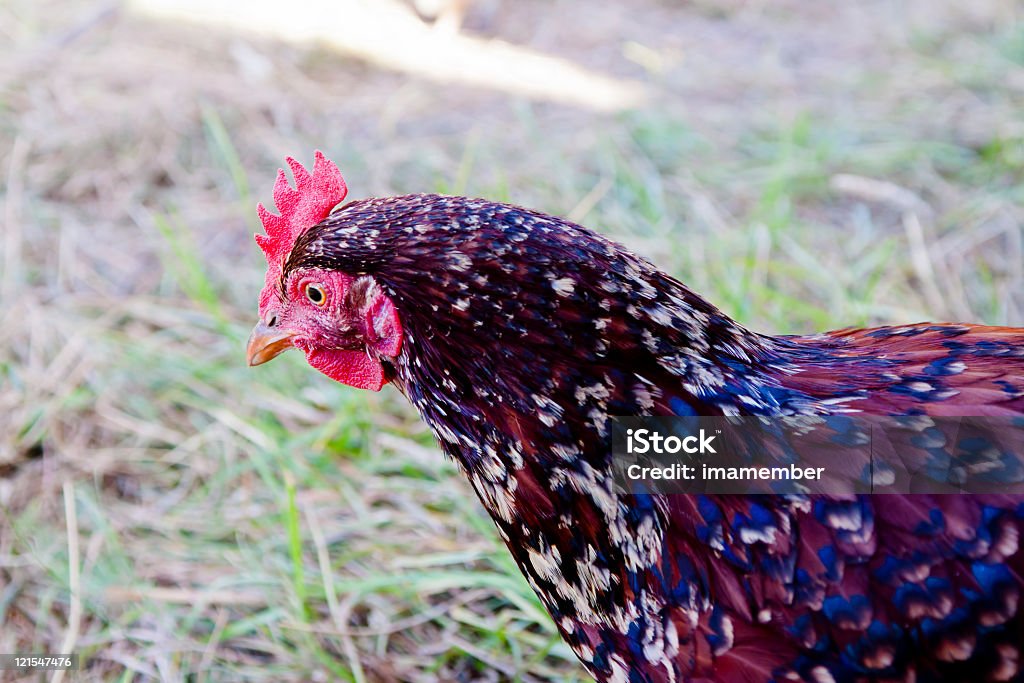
<point>316,294</point>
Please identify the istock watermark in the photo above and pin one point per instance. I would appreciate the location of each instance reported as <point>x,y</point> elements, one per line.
<point>640,441</point>
<point>835,455</point>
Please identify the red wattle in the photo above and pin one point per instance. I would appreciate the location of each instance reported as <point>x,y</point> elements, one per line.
<point>353,368</point>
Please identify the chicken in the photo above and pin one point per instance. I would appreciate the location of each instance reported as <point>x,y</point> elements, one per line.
<point>516,335</point>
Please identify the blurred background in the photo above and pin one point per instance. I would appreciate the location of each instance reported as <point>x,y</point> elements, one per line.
<point>170,514</point>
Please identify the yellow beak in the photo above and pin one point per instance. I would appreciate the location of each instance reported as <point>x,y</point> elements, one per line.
<point>266,343</point>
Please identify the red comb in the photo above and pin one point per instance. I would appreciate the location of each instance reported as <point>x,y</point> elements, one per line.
<point>301,208</point>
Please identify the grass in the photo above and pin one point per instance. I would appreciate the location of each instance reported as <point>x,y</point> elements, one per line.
<point>238,524</point>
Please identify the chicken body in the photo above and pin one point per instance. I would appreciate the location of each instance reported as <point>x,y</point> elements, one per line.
<point>523,333</point>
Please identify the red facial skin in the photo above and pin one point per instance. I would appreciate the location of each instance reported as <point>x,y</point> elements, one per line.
<point>346,335</point>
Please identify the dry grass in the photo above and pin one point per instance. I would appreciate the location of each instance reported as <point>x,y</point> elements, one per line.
<point>172,515</point>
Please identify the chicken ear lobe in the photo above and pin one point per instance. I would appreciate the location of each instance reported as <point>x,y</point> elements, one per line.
<point>382,327</point>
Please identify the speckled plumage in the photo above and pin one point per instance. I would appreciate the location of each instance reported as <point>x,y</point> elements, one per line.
<point>523,333</point>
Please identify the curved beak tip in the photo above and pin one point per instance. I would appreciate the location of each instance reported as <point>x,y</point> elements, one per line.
<point>266,343</point>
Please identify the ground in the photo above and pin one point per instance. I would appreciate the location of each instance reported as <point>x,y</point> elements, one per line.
<point>170,514</point>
